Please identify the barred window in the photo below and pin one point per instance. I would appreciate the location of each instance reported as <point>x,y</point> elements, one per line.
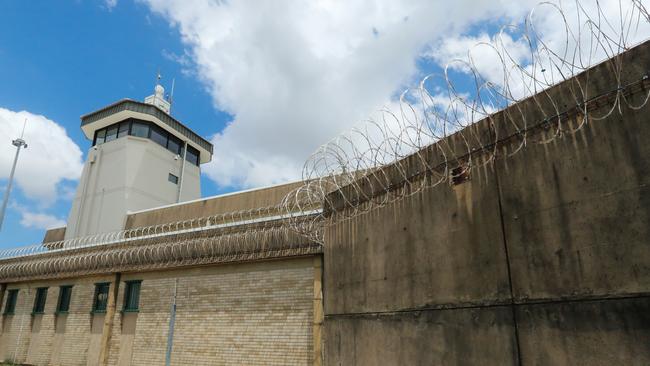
<point>63,305</point>
<point>101,297</point>
<point>10,305</point>
<point>39,300</point>
<point>132,295</point>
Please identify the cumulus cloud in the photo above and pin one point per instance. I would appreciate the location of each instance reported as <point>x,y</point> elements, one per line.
<point>33,220</point>
<point>560,39</point>
<point>51,156</point>
<point>295,74</point>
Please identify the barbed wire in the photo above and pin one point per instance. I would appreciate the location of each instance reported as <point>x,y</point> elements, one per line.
<point>437,134</point>
<point>161,246</point>
<point>258,218</point>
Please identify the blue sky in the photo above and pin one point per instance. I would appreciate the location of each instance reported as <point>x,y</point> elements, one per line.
<point>266,82</point>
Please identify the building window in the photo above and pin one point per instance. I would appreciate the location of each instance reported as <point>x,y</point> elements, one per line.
<point>39,300</point>
<point>192,155</point>
<point>174,145</point>
<point>159,136</point>
<point>100,138</point>
<point>124,129</point>
<point>132,296</point>
<point>10,305</point>
<point>140,130</point>
<point>63,305</point>
<point>101,297</point>
<point>111,133</point>
<point>172,178</point>
<point>144,129</point>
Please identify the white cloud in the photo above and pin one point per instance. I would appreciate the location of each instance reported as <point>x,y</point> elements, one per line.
<point>110,4</point>
<point>295,74</point>
<point>32,220</point>
<point>578,35</point>
<point>51,156</point>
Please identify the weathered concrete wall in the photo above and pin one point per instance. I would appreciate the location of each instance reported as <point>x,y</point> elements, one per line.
<point>539,259</point>
<point>423,338</point>
<point>259,313</point>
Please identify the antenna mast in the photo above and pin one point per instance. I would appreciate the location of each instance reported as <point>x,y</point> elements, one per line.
<point>171,95</point>
<point>18,143</point>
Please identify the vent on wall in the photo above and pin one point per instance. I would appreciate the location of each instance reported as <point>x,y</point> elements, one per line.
<point>460,174</point>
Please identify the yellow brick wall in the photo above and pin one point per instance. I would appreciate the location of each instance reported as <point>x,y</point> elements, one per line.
<point>240,314</point>
<point>36,343</point>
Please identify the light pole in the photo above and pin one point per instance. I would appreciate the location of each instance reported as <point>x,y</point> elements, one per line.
<point>18,143</point>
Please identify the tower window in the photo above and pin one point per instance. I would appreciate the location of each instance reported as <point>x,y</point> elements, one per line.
<point>172,178</point>
<point>111,133</point>
<point>10,305</point>
<point>144,129</point>
<point>124,129</point>
<point>159,136</point>
<point>192,155</point>
<point>132,295</point>
<point>39,300</point>
<point>140,130</point>
<point>63,305</point>
<point>174,145</point>
<point>101,136</point>
<point>101,297</point>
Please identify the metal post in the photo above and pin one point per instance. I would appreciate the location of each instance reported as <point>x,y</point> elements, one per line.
<point>18,143</point>
<point>172,322</point>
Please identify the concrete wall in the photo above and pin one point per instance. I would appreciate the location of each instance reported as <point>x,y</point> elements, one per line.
<point>248,313</point>
<point>539,259</point>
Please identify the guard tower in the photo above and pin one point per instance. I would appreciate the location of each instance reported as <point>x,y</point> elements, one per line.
<point>141,157</point>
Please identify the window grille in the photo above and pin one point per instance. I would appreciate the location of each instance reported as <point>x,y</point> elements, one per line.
<point>63,305</point>
<point>132,295</point>
<point>10,305</point>
<point>101,297</point>
<point>39,300</point>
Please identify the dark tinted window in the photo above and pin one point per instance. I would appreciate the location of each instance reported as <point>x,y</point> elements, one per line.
<point>124,129</point>
<point>174,145</point>
<point>192,155</point>
<point>132,296</point>
<point>140,129</point>
<point>159,136</point>
<point>111,134</point>
<point>101,297</point>
<point>172,178</point>
<point>39,300</point>
<point>63,305</point>
<point>10,305</point>
<point>101,135</point>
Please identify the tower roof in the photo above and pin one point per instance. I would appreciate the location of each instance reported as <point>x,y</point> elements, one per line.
<point>126,108</point>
